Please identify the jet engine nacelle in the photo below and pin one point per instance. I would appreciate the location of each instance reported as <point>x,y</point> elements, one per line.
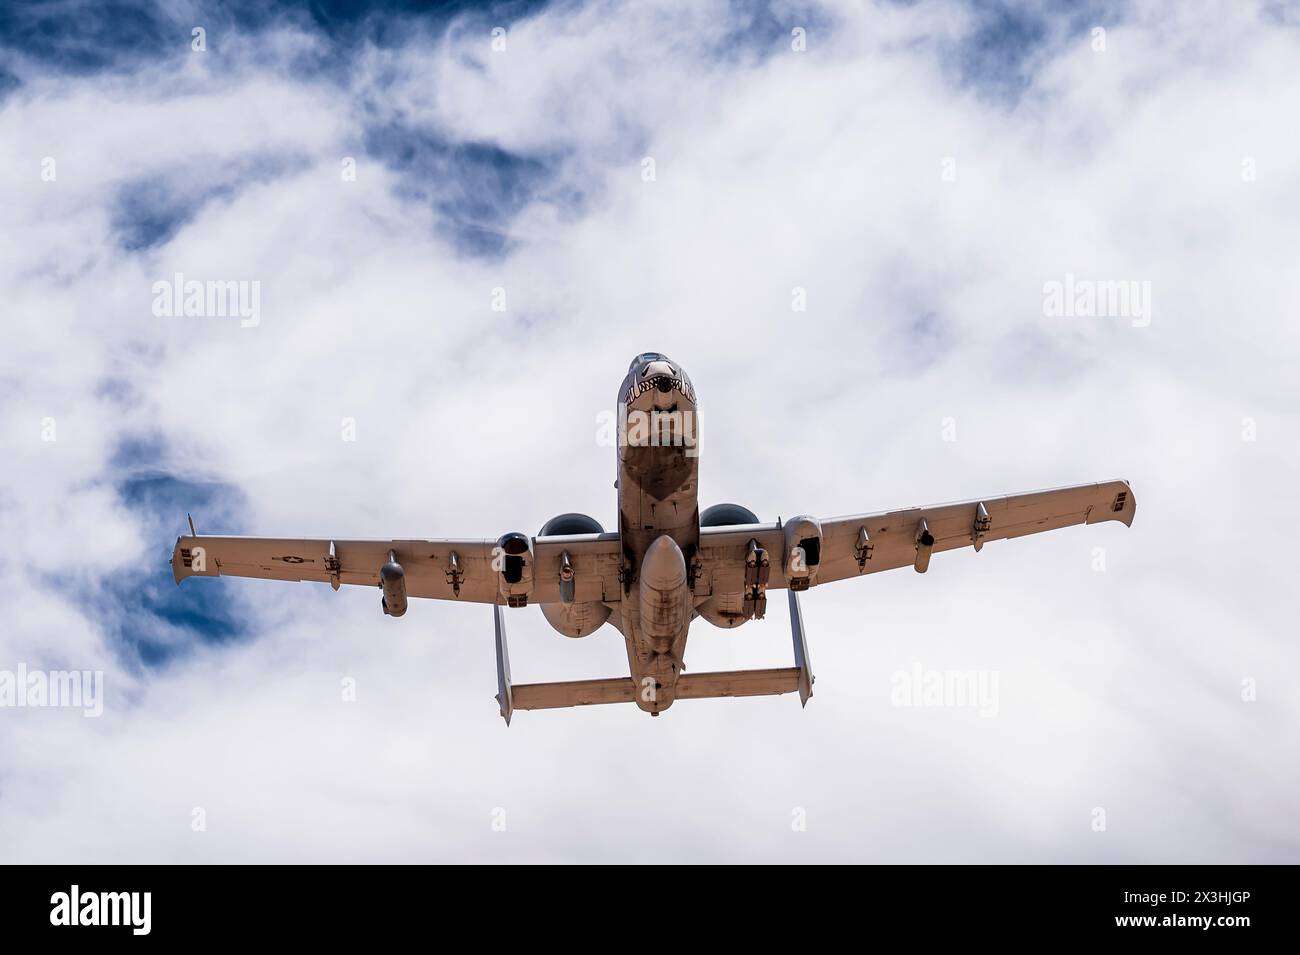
<point>571,617</point>
<point>726,610</point>
<point>803,550</point>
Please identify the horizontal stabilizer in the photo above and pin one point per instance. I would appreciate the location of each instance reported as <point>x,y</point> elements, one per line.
<point>692,686</point>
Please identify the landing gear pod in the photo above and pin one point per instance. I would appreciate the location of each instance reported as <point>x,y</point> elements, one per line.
<point>803,551</point>
<point>393,581</point>
<point>512,559</point>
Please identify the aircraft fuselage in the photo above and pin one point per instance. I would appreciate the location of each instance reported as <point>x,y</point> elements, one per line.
<point>658,521</point>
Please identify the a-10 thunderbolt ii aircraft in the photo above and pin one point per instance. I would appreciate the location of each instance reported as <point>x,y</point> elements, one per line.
<point>665,565</point>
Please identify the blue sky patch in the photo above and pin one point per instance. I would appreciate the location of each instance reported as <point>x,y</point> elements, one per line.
<point>475,188</point>
<point>152,619</point>
<point>148,212</point>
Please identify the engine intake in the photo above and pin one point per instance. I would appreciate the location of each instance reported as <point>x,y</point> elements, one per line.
<point>562,525</point>
<point>727,515</point>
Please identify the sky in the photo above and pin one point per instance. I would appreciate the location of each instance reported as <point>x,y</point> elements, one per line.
<point>461,223</point>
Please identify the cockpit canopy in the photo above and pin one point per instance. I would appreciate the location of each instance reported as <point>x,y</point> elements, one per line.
<point>643,361</point>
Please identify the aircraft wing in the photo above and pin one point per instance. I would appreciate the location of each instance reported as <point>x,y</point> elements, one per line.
<point>892,536</point>
<point>427,563</point>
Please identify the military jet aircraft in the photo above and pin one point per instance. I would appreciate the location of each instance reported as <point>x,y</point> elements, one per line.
<point>666,564</point>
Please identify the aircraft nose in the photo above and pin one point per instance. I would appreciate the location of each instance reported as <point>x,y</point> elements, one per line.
<point>661,375</point>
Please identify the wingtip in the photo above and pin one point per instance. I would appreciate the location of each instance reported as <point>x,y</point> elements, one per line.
<point>176,562</point>
<point>1131,511</point>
